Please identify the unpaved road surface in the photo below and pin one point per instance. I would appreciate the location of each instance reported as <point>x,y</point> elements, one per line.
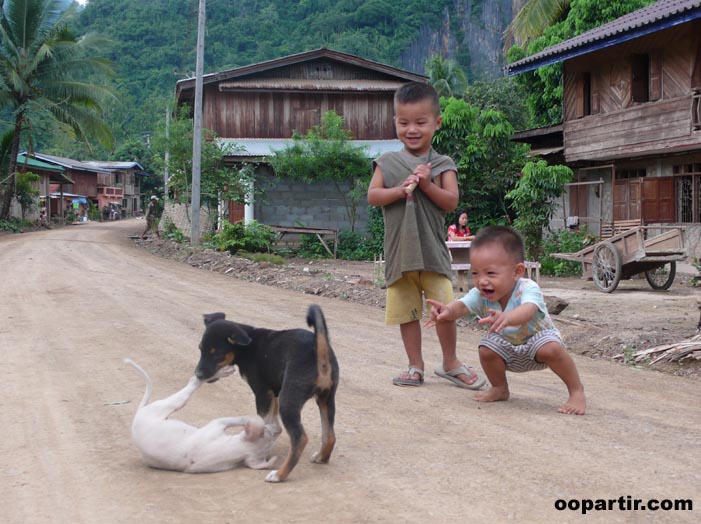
<point>75,301</point>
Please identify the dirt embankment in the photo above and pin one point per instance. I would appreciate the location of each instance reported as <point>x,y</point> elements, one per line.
<point>595,324</point>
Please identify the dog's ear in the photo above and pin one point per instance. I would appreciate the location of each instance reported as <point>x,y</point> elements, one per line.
<point>253,430</point>
<point>238,338</point>
<point>211,317</point>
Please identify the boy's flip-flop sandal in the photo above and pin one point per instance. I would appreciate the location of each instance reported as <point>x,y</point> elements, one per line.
<point>398,381</point>
<point>452,376</point>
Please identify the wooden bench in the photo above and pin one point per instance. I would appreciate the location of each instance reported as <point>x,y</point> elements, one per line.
<point>319,232</point>
<point>533,269</point>
<point>460,262</point>
<point>609,229</point>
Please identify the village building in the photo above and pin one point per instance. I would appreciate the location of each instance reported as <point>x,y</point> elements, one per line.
<point>259,107</point>
<point>104,185</point>
<point>631,127</point>
<point>120,184</point>
<point>50,176</point>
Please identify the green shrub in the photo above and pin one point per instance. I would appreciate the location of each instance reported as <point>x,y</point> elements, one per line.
<point>310,247</point>
<point>12,225</point>
<point>253,237</point>
<point>563,241</point>
<point>353,246</point>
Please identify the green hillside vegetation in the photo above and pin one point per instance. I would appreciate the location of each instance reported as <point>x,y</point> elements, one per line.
<point>154,41</point>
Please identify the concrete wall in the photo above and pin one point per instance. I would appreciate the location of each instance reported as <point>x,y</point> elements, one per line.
<point>180,215</point>
<point>288,202</point>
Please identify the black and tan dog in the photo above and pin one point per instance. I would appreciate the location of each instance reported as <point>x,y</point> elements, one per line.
<point>284,369</point>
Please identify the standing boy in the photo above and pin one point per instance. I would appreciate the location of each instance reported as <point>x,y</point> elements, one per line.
<point>415,187</point>
<point>521,336</point>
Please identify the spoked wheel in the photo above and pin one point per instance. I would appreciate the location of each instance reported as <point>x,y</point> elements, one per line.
<point>606,267</point>
<point>662,277</point>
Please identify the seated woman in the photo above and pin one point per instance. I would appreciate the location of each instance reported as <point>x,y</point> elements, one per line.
<point>459,231</point>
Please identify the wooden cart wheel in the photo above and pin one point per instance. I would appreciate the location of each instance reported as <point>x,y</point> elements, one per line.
<point>606,267</point>
<point>662,277</point>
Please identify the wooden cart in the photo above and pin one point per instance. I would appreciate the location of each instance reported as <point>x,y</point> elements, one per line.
<point>629,253</point>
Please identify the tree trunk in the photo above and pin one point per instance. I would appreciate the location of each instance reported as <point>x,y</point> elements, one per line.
<point>14,150</point>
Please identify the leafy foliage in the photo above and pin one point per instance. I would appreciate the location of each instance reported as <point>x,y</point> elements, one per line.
<point>563,241</point>
<point>326,153</point>
<point>532,199</point>
<point>154,41</point>
<point>25,192</point>
<point>446,76</point>
<point>487,160</point>
<point>44,68</point>
<point>216,179</point>
<point>251,237</point>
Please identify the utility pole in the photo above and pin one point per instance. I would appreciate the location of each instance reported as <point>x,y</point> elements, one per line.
<point>166,171</point>
<point>197,128</point>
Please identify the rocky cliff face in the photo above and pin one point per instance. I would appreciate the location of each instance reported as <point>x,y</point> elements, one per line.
<point>470,33</point>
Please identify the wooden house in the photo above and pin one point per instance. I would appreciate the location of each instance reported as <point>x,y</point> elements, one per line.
<point>119,182</point>
<point>259,107</point>
<point>631,127</point>
<point>83,190</point>
<point>50,176</point>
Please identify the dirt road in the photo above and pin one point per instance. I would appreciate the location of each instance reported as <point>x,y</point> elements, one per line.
<point>76,300</point>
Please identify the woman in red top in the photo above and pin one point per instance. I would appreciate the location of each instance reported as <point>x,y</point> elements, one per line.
<point>459,231</point>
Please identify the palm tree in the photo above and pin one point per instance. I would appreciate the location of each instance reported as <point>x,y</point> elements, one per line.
<point>532,19</point>
<point>446,76</point>
<point>42,67</point>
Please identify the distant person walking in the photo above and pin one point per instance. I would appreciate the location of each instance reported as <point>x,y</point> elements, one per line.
<point>151,218</point>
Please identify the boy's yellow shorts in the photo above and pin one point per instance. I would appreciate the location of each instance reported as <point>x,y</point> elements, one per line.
<point>405,297</point>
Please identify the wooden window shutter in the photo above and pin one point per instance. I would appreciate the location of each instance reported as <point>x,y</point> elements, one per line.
<point>595,107</point>
<point>579,96</point>
<point>655,75</point>
<point>696,72</point>
<point>620,200</point>
<point>658,199</point>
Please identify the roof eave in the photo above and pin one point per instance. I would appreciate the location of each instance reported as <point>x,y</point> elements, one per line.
<point>523,66</point>
<point>189,83</point>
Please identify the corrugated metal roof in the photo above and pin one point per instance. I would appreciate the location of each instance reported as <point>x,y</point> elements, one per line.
<point>56,173</point>
<point>24,160</point>
<point>657,16</point>
<point>69,163</point>
<point>113,164</point>
<point>262,147</point>
<point>303,84</point>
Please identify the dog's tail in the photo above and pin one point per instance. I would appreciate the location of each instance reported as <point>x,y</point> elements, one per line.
<point>316,320</point>
<point>149,385</point>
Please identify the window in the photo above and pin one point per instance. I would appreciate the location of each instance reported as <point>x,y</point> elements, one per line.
<point>640,81</point>
<point>630,173</point>
<point>586,86</point>
<point>586,99</point>
<point>687,189</point>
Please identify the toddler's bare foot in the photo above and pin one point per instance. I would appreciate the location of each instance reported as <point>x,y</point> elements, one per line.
<point>492,395</point>
<point>575,405</point>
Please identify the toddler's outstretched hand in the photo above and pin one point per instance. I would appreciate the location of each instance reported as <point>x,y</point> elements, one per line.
<point>439,313</point>
<point>497,320</point>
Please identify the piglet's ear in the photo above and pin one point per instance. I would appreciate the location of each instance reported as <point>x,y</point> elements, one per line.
<point>238,338</point>
<point>211,317</point>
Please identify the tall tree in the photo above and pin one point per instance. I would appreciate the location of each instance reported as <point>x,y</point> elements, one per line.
<point>446,76</point>
<point>43,72</point>
<point>533,19</point>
